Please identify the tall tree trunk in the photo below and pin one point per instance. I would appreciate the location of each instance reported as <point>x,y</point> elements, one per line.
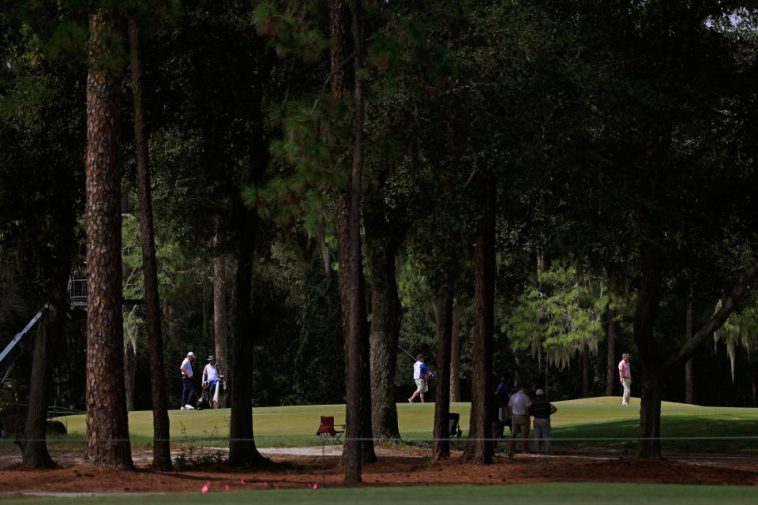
<point>480,448</point>
<point>55,268</point>
<point>444,312</point>
<point>107,422</point>
<point>242,448</point>
<point>352,298</point>
<point>648,298</point>
<point>383,237</point>
<point>34,447</point>
<point>359,307</point>
<point>386,315</point>
<point>357,348</point>
<point>220,317</point>
<point>359,445</point>
<point>455,360</point>
<point>611,372</point>
<point>161,427</point>
<point>689,389</point>
<point>342,212</point>
<point>586,370</point>
<point>649,446</point>
<point>338,65</point>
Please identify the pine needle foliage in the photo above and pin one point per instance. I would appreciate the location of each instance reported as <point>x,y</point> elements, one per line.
<point>558,317</point>
<point>740,331</point>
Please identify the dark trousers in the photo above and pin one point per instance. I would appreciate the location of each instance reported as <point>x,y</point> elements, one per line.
<point>188,391</point>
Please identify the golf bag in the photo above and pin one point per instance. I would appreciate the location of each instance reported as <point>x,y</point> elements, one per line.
<point>205,399</point>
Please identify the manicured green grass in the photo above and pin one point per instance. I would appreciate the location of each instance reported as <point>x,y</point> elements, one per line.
<point>601,422</point>
<point>591,422</point>
<point>529,494</point>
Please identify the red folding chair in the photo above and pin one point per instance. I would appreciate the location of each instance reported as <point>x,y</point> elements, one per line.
<point>328,431</point>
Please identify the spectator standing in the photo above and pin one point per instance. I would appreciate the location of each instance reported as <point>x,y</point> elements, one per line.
<point>502,396</point>
<point>211,380</point>
<point>519,409</point>
<point>625,376</point>
<point>188,387</point>
<point>541,409</point>
<point>421,377</point>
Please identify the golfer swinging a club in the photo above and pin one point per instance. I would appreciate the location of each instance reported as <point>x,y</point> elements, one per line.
<point>421,376</point>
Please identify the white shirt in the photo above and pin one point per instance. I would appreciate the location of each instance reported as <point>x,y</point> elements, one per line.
<point>210,373</point>
<point>519,404</point>
<point>186,367</point>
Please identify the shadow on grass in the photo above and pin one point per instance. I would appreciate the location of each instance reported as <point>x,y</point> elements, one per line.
<point>679,435</point>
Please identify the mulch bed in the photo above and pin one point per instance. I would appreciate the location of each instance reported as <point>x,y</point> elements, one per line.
<point>401,469</point>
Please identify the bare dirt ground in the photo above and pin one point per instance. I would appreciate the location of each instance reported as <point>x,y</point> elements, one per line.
<point>297,468</point>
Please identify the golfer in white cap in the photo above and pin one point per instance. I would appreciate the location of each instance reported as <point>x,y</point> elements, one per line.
<point>188,387</point>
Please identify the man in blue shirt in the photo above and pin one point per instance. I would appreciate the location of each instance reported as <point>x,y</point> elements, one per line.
<point>211,381</point>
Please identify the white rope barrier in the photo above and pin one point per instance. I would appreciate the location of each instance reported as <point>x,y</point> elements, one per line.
<point>180,439</point>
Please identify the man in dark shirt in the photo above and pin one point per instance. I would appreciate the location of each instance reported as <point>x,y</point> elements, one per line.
<point>502,395</point>
<point>541,409</point>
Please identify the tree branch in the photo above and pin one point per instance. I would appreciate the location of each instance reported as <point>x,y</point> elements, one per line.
<point>338,68</point>
<point>717,321</point>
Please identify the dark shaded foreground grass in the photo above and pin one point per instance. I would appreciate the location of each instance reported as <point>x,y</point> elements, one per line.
<point>527,494</point>
<point>680,434</point>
